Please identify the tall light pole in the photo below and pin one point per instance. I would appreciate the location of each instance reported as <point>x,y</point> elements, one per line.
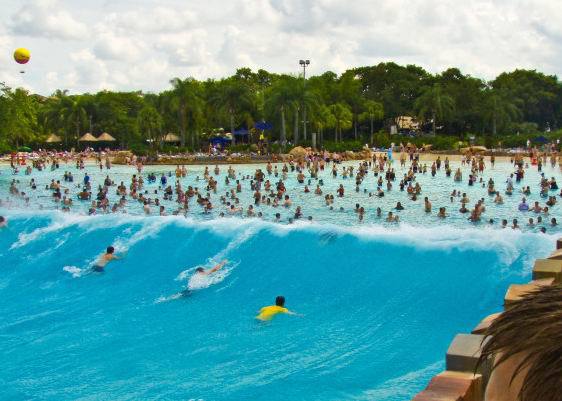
<point>304,64</point>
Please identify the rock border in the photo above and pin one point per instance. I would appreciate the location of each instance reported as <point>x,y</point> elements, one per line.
<point>460,381</point>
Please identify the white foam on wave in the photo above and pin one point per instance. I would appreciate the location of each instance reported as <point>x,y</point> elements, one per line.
<point>59,221</point>
<point>248,233</point>
<point>509,244</point>
<point>204,281</point>
<point>199,281</point>
<point>75,271</point>
<point>168,298</point>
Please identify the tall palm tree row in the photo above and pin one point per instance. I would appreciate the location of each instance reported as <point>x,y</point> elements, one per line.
<point>235,99</point>
<point>187,100</point>
<point>500,109</point>
<point>434,103</point>
<point>354,104</point>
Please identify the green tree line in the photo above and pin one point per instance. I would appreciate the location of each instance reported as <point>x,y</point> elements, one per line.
<point>351,106</point>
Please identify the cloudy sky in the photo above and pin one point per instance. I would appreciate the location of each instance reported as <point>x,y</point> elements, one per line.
<point>128,45</point>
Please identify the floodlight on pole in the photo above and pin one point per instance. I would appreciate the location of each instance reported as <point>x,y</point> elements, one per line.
<point>304,64</point>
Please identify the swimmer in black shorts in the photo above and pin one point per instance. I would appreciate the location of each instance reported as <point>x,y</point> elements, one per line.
<point>104,259</point>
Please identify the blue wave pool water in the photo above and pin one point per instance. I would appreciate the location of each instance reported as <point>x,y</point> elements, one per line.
<point>378,305</point>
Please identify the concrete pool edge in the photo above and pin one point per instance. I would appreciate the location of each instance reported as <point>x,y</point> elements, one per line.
<point>460,381</point>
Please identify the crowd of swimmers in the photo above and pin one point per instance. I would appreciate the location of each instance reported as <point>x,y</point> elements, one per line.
<point>268,190</point>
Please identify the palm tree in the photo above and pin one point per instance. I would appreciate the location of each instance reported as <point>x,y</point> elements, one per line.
<point>19,115</point>
<point>500,108</point>
<point>373,111</point>
<point>186,99</point>
<point>435,103</point>
<point>234,98</point>
<point>73,114</point>
<point>280,99</point>
<point>350,91</point>
<point>150,124</point>
<point>301,98</point>
<point>322,118</point>
<point>342,119</point>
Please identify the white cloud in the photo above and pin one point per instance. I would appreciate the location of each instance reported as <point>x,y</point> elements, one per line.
<point>186,48</point>
<point>155,20</point>
<point>88,73</point>
<point>110,47</point>
<point>122,45</point>
<point>45,18</point>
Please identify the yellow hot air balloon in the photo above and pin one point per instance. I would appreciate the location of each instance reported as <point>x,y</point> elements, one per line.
<point>22,55</point>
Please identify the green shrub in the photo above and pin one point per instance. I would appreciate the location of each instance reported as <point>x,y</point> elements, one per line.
<point>239,148</point>
<point>139,149</point>
<point>525,128</point>
<point>343,146</point>
<point>166,148</point>
<point>382,139</point>
<point>5,148</point>
<point>277,148</point>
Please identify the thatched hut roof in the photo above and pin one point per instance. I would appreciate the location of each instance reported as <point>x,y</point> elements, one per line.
<point>53,139</point>
<point>105,137</point>
<point>87,137</point>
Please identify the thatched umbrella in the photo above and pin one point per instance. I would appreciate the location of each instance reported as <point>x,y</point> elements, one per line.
<point>87,137</point>
<point>105,137</point>
<point>53,139</point>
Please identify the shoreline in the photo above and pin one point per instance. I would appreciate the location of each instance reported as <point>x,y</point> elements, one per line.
<point>285,158</point>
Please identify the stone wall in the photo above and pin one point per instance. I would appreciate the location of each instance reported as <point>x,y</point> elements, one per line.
<point>460,381</point>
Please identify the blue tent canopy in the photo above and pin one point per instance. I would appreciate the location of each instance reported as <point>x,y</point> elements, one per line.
<point>219,140</point>
<point>262,125</point>
<point>541,139</point>
<point>241,132</point>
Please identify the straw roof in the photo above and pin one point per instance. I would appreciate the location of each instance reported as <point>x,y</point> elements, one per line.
<point>105,137</point>
<point>53,139</point>
<point>172,138</point>
<point>87,137</point>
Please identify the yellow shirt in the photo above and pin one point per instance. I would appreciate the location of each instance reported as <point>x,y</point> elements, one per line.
<point>267,312</point>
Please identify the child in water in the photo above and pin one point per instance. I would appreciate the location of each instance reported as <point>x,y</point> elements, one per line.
<point>268,312</point>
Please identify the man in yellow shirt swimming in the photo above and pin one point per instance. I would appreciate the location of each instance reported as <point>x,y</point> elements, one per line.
<point>267,312</point>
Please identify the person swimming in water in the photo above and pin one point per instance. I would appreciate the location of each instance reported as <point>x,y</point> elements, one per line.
<point>207,272</point>
<point>200,279</point>
<point>104,259</point>
<point>268,312</point>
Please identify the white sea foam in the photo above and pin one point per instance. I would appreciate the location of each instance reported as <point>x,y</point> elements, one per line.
<point>201,281</point>
<point>509,244</point>
<point>74,271</point>
<point>168,298</point>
